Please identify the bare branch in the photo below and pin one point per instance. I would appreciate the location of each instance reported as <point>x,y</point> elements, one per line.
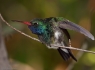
<point>74,48</point>
<point>40,41</point>
<point>4,61</point>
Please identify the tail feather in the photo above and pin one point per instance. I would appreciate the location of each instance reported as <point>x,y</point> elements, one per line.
<point>70,53</point>
<point>66,55</point>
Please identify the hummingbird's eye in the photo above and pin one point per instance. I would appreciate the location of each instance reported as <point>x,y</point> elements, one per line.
<point>35,23</point>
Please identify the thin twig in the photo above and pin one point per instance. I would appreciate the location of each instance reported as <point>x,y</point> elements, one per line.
<point>40,41</point>
<point>75,48</point>
<point>4,61</point>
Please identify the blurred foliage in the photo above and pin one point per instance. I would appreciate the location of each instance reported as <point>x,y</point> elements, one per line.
<point>27,51</point>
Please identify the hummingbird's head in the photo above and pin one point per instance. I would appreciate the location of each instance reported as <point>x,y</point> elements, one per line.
<point>37,26</point>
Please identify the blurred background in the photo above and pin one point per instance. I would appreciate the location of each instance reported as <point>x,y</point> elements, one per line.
<point>27,54</point>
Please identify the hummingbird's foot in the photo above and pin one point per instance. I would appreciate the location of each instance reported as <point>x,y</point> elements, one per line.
<point>69,43</point>
<point>52,47</point>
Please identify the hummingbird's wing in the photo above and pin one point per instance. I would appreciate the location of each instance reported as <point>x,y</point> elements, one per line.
<point>66,24</point>
<point>66,33</point>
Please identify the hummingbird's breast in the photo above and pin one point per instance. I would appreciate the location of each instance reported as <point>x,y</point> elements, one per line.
<point>58,36</point>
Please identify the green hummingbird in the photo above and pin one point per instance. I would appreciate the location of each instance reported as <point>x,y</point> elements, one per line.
<point>51,31</point>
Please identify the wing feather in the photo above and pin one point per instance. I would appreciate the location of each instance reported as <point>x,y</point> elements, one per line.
<point>66,24</point>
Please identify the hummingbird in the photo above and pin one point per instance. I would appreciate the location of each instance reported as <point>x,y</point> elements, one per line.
<point>52,30</point>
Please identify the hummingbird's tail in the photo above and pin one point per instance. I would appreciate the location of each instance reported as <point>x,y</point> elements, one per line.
<point>66,54</point>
